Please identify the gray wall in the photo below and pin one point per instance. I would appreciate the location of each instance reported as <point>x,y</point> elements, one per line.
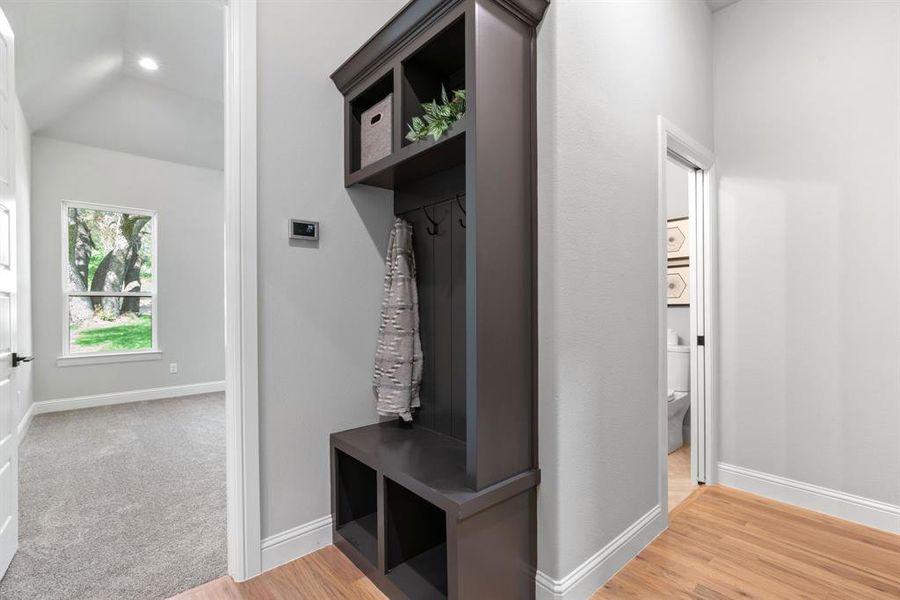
<point>807,131</point>
<point>605,71</point>
<point>190,202</point>
<point>677,195</point>
<point>319,304</point>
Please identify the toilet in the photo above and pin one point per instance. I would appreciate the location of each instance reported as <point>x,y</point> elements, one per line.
<point>679,399</point>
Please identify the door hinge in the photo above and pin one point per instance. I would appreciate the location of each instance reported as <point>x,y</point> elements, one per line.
<point>701,340</point>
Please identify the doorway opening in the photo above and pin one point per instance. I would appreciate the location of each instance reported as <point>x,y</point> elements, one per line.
<point>687,252</point>
<point>130,122</point>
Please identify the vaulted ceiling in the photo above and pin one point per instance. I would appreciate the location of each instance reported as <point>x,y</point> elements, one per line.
<point>78,79</point>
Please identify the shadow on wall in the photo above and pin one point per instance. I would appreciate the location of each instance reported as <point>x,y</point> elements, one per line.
<point>372,204</point>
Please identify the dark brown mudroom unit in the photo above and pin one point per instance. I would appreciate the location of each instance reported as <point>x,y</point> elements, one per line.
<point>445,508</point>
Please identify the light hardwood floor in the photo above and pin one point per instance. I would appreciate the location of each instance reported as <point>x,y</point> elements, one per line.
<point>323,575</point>
<point>721,543</point>
<point>680,484</point>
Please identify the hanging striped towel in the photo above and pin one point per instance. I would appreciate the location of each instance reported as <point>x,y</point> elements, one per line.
<point>398,357</point>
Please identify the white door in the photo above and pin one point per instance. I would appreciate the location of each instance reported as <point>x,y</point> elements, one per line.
<point>9,455</point>
<point>699,411</point>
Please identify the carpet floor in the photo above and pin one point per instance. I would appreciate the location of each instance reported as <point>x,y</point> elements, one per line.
<point>121,502</point>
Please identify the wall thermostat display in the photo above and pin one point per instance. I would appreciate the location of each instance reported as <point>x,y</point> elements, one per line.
<point>304,230</point>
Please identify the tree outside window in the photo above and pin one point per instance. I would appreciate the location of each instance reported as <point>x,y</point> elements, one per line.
<point>109,279</point>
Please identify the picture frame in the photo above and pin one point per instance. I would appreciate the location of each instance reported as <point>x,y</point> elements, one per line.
<point>678,289</point>
<point>677,238</point>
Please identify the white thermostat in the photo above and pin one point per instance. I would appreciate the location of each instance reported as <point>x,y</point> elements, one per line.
<point>304,230</point>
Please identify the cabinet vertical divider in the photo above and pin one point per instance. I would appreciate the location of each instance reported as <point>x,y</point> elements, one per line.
<point>452,563</point>
<point>382,533</point>
<point>398,125</point>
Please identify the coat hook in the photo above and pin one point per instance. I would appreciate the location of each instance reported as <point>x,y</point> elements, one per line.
<point>434,223</point>
<point>463,209</point>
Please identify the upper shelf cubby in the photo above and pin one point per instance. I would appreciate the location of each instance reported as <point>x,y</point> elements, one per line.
<point>371,117</point>
<point>440,63</point>
<point>437,64</point>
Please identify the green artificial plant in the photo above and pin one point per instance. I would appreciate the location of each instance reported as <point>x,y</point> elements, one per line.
<point>438,117</point>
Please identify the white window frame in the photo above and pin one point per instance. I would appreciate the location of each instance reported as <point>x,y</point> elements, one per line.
<point>66,358</point>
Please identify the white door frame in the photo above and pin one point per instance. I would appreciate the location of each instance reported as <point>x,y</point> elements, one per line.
<point>241,352</point>
<point>704,244</point>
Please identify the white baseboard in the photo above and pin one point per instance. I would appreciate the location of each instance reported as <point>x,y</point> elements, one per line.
<point>873,513</point>
<point>25,423</point>
<point>160,393</point>
<point>292,544</point>
<point>590,576</point>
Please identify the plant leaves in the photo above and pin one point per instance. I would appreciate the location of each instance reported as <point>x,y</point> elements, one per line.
<point>437,118</point>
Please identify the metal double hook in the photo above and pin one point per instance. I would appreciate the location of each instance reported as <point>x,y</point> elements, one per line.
<point>462,221</point>
<point>434,224</point>
<point>432,229</point>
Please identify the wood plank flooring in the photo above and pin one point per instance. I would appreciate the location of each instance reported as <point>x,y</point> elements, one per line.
<point>721,544</point>
<point>323,575</point>
<point>680,483</point>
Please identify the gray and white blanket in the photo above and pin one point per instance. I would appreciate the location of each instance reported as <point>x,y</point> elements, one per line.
<point>398,357</point>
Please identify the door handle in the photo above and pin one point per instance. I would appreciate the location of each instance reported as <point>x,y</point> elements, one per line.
<point>16,359</point>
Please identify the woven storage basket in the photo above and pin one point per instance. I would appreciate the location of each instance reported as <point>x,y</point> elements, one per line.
<point>375,132</point>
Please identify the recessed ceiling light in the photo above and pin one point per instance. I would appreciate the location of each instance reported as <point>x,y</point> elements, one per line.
<point>148,64</point>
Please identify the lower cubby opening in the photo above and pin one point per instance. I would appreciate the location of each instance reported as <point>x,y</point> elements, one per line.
<point>416,543</point>
<point>357,505</point>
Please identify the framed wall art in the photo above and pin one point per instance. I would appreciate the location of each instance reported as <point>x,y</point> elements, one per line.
<point>678,285</point>
<point>677,242</point>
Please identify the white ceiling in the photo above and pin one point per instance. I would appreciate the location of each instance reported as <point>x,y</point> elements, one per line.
<point>187,39</point>
<point>74,53</point>
<point>135,116</point>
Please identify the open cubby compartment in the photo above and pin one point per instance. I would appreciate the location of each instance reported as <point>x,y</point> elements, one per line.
<point>440,62</point>
<point>357,504</point>
<point>371,96</point>
<point>415,543</point>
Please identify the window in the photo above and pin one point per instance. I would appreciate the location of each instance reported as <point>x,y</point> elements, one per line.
<point>109,281</point>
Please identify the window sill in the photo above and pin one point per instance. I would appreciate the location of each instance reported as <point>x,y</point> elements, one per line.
<point>74,360</point>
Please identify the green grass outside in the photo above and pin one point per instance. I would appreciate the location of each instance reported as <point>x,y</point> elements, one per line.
<point>129,336</point>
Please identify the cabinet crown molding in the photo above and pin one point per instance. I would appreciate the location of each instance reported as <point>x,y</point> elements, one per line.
<point>406,25</point>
